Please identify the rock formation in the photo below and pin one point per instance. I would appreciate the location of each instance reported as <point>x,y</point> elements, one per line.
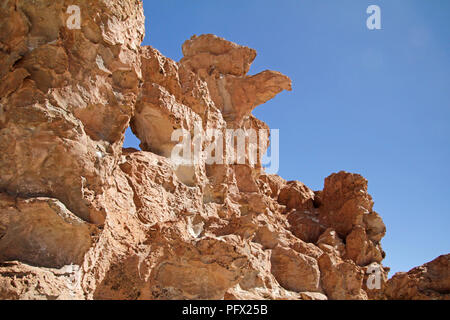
<point>428,282</point>
<point>83,218</point>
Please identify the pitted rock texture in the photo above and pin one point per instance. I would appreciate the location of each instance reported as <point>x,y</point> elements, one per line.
<point>430,281</point>
<point>83,218</point>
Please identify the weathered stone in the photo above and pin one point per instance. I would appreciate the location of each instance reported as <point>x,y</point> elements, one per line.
<point>42,232</point>
<point>295,195</point>
<point>100,222</point>
<point>295,271</point>
<point>430,281</point>
<point>209,52</point>
<point>361,249</point>
<point>19,281</point>
<point>224,66</point>
<point>344,202</point>
<point>305,225</point>
<point>341,280</point>
<point>330,242</point>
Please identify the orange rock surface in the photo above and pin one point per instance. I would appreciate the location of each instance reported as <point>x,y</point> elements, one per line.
<point>83,218</point>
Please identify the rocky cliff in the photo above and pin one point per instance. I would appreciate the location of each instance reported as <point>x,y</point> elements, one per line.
<point>83,218</point>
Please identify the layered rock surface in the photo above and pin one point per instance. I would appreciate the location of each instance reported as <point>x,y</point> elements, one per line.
<point>430,281</point>
<point>83,218</point>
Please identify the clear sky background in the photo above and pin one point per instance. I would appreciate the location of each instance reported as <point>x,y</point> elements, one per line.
<point>371,102</point>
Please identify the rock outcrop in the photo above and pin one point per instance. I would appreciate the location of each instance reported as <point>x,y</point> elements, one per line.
<point>430,281</point>
<point>83,218</point>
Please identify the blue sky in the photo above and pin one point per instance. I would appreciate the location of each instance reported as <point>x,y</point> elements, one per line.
<point>371,102</point>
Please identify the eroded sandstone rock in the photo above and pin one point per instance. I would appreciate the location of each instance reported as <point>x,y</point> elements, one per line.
<point>22,281</point>
<point>68,97</point>
<point>430,281</point>
<point>41,231</point>
<point>295,271</point>
<point>341,280</point>
<point>82,218</point>
<point>224,66</point>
